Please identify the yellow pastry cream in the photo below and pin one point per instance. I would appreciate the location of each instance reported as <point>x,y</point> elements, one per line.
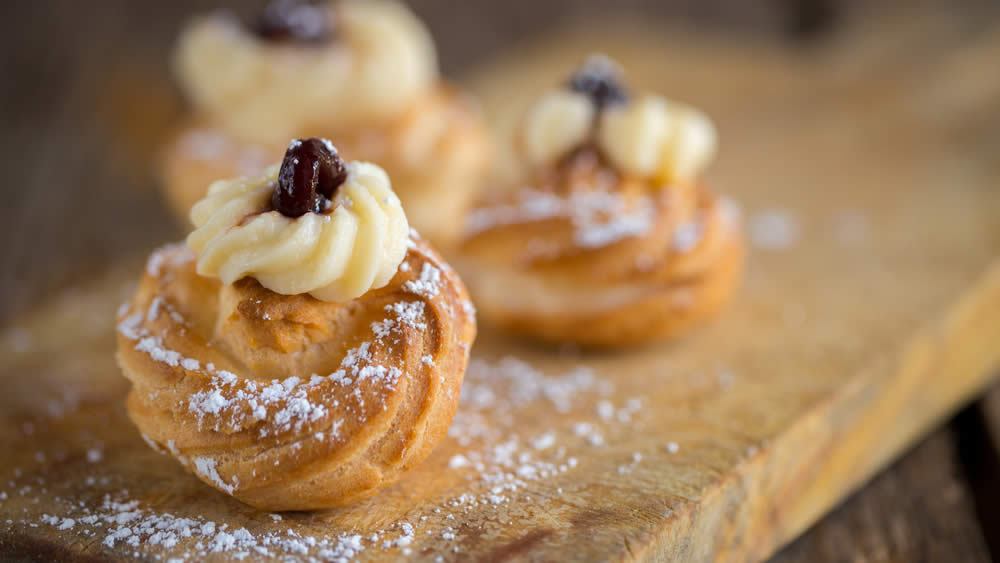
<point>362,60</point>
<point>650,136</point>
<point>313,225</point>
<point>611,236</point>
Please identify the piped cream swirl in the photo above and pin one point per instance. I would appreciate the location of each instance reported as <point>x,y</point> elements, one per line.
<point>335,256</point>
<point>380,59</point>
<point>649,137</point>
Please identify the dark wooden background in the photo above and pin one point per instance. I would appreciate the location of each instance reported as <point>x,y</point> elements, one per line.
<point>86,98</point>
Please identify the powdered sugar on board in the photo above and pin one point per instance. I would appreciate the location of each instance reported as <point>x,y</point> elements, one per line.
<point>500,462</point>
<point>122,524</point>
<point>774,229</point>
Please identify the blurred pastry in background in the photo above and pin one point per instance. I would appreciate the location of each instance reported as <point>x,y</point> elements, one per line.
<point>363,73</point>
<point>613,238</point>
<point>305,348</point>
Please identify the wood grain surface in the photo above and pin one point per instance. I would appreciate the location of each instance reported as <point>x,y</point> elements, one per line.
<point>875,321</point>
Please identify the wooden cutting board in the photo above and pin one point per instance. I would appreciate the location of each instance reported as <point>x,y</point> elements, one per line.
<point>870,311</point>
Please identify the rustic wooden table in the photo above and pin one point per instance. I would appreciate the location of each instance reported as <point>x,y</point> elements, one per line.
<point>87,98</point>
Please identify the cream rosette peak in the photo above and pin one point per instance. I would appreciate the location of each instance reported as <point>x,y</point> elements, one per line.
<point>355,244</point>
<point>644,135</point>
<point>378,58</point>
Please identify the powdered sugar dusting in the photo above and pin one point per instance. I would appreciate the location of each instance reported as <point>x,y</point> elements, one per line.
<point>773,229</point>
<point>174,255</point>
<point>428,284</point>
<point>600,218</point>
<point>409,313</point>
<point>524,383</point>
<point>206,468</point>
<point>687,236</point>
<point>119,522</point>
<point>229,401</point>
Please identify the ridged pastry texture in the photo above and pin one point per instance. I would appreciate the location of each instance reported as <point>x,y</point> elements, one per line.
<point>585,254</point>
<point>288,402</point>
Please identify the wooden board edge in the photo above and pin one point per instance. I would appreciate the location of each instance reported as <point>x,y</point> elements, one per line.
<point>843,442</point>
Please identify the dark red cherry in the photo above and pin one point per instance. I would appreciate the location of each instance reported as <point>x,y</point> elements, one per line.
<point>294,20</point>
<point>309,177</point>
<point>600,80</point>
<point>333,171</point>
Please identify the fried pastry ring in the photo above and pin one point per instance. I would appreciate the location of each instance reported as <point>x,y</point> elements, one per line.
<point>539,263</point>
<point>612,239</point>
<point>376,380</point>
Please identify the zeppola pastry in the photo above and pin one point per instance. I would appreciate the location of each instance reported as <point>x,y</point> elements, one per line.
<point>361,72</point>
<point>305,347</point>
<point>612,238</point>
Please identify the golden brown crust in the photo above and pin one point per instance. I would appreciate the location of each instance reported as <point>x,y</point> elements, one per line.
<point>287,402</point>
<point>436,153</point>
<point>590,257</point>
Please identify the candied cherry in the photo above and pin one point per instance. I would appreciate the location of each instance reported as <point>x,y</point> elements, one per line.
<point>310,174</point>
<point>600,80</point>
<point>294,20</point>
